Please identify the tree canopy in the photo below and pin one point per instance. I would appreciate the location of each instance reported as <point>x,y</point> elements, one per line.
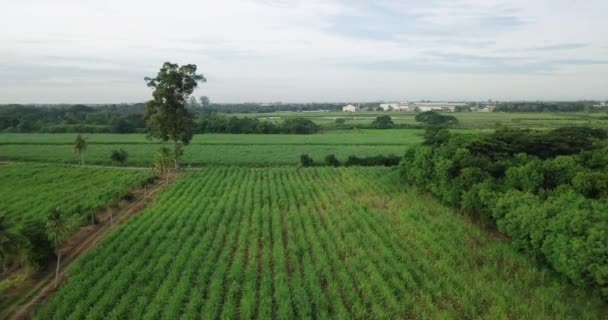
<point>432,118</point>
<point>168,117</point>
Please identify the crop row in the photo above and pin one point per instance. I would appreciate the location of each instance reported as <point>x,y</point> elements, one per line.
<point>306,243</point>
<point>29,192</point>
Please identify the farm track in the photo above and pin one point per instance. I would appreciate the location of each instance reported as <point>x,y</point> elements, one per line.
<point>23,305</point>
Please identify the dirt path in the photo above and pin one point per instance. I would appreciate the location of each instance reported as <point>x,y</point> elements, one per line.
<point>85,239</point>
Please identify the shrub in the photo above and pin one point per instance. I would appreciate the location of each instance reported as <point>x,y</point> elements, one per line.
<point>383,122</point>
<point>37,248</point>
<point>306,160</point>
<point>119,156</point>
<point>331,160</point>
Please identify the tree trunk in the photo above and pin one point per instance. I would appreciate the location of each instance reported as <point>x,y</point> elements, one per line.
<point>81,159</point>
<point>57,268</point>
<point>58,252</point>
<point>176,153</point>
<point>145,194</point>
<point>92,219</point>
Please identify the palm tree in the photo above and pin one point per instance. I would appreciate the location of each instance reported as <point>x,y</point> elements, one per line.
<point>57,226</point>
<point>80,146</point>
<point>8,242</point>
<point>161,162</point>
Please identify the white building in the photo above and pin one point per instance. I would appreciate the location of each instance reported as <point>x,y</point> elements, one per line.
<point>436,106</point>
<point>397,106</point>
<point>349,108</point>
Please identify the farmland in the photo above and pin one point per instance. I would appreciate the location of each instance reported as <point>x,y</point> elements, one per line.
<point>30,192</point>
<point>308,243</point>
<point>211,149</point>
<point>467,120</point>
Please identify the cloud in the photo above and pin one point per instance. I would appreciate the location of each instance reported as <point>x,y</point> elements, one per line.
<point>298,49</point>
<point>561,46</point>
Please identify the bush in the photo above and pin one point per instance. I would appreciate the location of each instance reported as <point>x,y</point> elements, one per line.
<point>387,161</point>
<point>119,156</point>
<point>331,160</point>
<point>306,160</point>
<point>37,248</point>
<point>383,122</point>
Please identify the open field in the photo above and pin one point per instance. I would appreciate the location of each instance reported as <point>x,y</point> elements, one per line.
<point>29,192</point>
<point>468,120</point>
<point>212,149</point>
<point>308,243</point>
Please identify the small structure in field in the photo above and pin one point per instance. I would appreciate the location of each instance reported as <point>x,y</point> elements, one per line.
<point>349,108</point>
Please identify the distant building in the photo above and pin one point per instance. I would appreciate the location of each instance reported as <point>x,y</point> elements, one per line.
<point>396,106</point>
<point>349,108</point>
<point>421,106</point>
<point>436,106</point>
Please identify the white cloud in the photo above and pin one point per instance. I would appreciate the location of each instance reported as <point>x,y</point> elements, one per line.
<point>290,50</point>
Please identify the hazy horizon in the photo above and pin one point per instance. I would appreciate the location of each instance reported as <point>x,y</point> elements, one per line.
<point>91,52</point>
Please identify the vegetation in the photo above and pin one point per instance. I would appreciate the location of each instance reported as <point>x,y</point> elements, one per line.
<point>57,227</point>
<point>432,118</point>
<point>213,149</point>
<point>119,156</point>
<point>546,190</point>
<point>303,243</point>
<point>540,106</point>
<point>80,146</point>
<point>383,122</point>
<point>167,117</point>
<point>42,204</point>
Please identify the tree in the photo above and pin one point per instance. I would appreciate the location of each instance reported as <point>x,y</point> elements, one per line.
<point>119,156</point>
<point>57,226</point>
<point>306,160</point>
<point>205,101</point>
<point>36,246</point>
<point>383,122</point>
<point>161,162</point>
<point>80,146</point>
<point>331,160</point>
<point>167,117</point>
<point>8,242</point>
<point>432,118</point>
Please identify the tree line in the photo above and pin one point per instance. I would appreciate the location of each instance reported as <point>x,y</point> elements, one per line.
<point>546,190</point>
<point>575,106</point>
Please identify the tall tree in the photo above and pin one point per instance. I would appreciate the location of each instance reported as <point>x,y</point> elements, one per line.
<point>57,226</point>
<point>167,117</point>
<point>80,146</point>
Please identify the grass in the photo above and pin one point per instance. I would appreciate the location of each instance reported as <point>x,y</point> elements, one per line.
<point>30,192</point>
<point>211,149</point>
<point>307,243</point>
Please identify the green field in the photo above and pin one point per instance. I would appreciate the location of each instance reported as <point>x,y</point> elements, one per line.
<point>30,192</point>
<point>468,120</point>
<point>212,149</point>
<point>307,243</point>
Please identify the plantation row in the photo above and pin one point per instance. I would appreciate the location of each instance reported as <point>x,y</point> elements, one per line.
<point>308,243</point>
<point>196,154</point>
<point>30,192</point>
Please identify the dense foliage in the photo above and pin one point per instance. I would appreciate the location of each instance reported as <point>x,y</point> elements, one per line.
<point>288,243</point>
<point>72,118</point>
<point>547,190</point>
<point>529,106</point>
<point>382,122</point>
<point>432,118</point>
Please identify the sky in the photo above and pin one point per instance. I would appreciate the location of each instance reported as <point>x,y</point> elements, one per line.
<point>83,51</point>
